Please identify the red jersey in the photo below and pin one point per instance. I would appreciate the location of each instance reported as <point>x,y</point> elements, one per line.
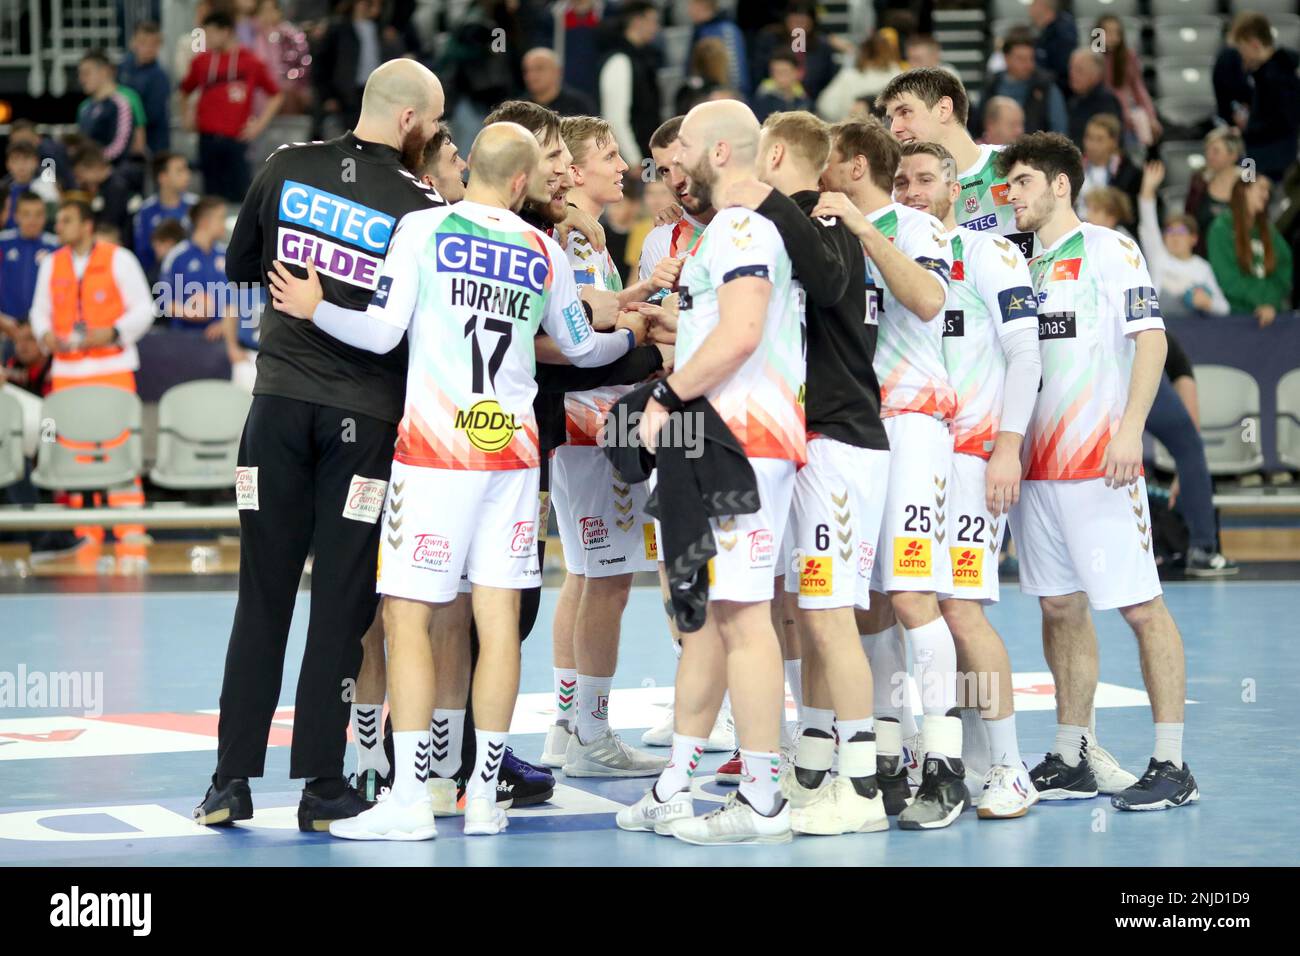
<point>227,81</point>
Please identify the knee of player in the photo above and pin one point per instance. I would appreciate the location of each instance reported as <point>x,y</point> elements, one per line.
<point>1064,608</point>
<point>961,617</point>
<point>615,590</point>
<point>1141,617</point>
<point>879,618</point>
<point>915,608</point>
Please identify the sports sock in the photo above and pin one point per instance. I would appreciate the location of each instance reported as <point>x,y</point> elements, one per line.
<point>1169,744</point>
<point>1004,745</point>
<point>888,673</point>
<point>858,754</point>
<point>1070,743</point>
<point>685,757</point>
<point>446,733</point>
<point>936,666</point>
<point>794,677</point>
<point>490,748</point>
<point>593,706</point>
<point>759,780</point>
<point>566,684</point>
<point>366,733</point>
<point>816,718</point>
<point>889,738</point>
<point>814,751</point>
<point>411,775</point>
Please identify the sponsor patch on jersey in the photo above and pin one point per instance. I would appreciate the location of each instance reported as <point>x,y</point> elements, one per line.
<point>340,262</point>
<point>983,222</point>
<point>1056,325</point>
<point>1024,242</point>
<point>1065,270</point>
<point>967,567</point>
<point>651,545</point>
<point>762,548</point>
<point>489,259</point>
<point>432,552</point>
<point>912,558</point>
<point>972,203</point>
<point>958,273</point>
<point>999,193</point>
<point>1017,303</point>
<point>595,534</point>
<point>576,321</point>
<point>815,576</point>
<point>246,489</point>
<point>937,266</point>
<point>523,539</point>
<point>585,276</point>
<point>954,323</point>
<point>1141,302</point>
<point>487,426</point>
<point>365,501</point>
<point>339,218</point>
<point>866,558</point>
<point>380,295</point>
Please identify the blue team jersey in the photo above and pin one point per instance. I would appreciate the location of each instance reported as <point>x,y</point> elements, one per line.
<point>152,212</point>
<point>19,261</point>
<point>188,271</point>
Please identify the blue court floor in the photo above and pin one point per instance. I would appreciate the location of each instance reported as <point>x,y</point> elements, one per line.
<point>111,780</point>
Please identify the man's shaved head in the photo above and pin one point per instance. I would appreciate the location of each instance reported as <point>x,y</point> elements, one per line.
<point>501,152</point>
<point>401,106</point>
<point>717,135</point>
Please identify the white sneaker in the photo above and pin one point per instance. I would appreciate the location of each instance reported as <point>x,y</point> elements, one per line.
<point>557,745</point>
<point>649,814</point>
<point>914,759</point>
<point>609,756</point>
<point>661,734</point>
<point>736,823</point>
<point>446,797</point>
<point>722,739</point>
<point>839,809</point>
<point>389,820</point>
<point>1008,793</point>
<point>484,818</point>
<point>796,793</point>
<point>1111,777</point>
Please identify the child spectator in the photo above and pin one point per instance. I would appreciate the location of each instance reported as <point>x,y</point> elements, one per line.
<point>1251,260</point>
<point>193,276</point>
<point>1108,207</point>
<point>141,71</point>
<point>24,131</point>
<point>166,236</point>
<point>106,190</point>
<point>21,251</point>
<point>171,173</point>
<point>781,91</point>
<point>22,164</point>
<point>1181,276</point>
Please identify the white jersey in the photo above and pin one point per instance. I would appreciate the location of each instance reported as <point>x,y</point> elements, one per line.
<point>982,205</point>
<point>990,296</point>
<point>585,412</point>
<point>675,239</point>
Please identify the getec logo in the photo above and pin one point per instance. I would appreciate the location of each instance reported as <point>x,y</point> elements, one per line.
<point>76,909</point>
<point>912,557</point>
<point>489,259</point>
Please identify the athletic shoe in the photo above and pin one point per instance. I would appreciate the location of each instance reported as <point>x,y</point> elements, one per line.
<point>557,745</point>
<point>447,796</point>
<point>649,814</point>
<point>839,808</point>
<point>389,820</point>
<point>370,784</point>
<point>1054,779</point>
<point>891,778</point>
<point>316,813</point>
<point>795,792</point>
<point>729,773</point>
<point>1111,777</point>
<point>914,759</point>
<point>484,818</point>
<point>736,823</point>
<point>1162,787</point>
<point>609,756</point>
<point>1008,793</point>
<point>222,806</point>
<point>941,798</point>
<point>722,739</point>
<point>661,734</point>
<point>1208,564</point>
<point>524,784</point>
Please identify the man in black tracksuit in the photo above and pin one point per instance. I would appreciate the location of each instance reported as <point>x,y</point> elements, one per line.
<point>317,447</point>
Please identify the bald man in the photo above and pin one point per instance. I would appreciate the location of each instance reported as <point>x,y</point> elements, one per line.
<point>740,346</point>
<point>472,283</point>
<point>1004,121</point>
<point>544,80</point>
<point>317,447</point>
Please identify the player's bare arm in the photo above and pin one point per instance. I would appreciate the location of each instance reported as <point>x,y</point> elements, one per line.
<point>1124,453</point>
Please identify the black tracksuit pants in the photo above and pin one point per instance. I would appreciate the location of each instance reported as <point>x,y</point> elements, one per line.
<point>306,456</point>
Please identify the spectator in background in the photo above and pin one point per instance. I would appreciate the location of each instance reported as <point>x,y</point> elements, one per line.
<point>710,21</point>
<point>22,168</point>
<point>923,51</point>
<point>1057,37</point>
<point>577,36</point>
<point>781,91</point>
<point>24,131</point>
<point>629,81</point>
<point>798,33</point>
<point>141,71</point>
<point>1210,191</point>
<point>1104,164</point>
<point>226,75</point>
<point>1272,127</point>
<point>1232,89</point>
<point>106,115</point>
<point>482,63</point>
<point>104,189</point>
<point>543,79</point>
<point>1030,86</point>
<point>709,69</point>
<point>352,49</point>
<point>1122,74</point>
<point>21,251</point>
<point>1004,121</point>
<point>283,47</point>
<point>195,294</point>
<point>1182,278</point>
<point>168,234</point>
<point>1251,260</point>
<point>171,173</point>
<point>1109,208</point>
<point>875,63</point>
<point>1088,95</point>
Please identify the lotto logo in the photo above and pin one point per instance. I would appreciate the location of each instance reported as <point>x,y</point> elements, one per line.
<point>651,545</point>
<point>967,567</point>
<point>912,557</point>
<point>815,577</point>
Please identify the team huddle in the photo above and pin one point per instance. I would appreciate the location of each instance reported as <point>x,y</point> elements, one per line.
<point>912,342</point>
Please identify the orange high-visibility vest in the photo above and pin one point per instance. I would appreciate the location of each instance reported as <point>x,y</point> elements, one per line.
<point>94,299</point>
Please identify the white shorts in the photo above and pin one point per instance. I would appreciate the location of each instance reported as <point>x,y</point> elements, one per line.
<point>603,524</point>
<point>1082,536</point>
<point>440,523</point>
<point>914,531</point>
<point>976,534</point>
<point>747,560</point>
<point>839,496</point>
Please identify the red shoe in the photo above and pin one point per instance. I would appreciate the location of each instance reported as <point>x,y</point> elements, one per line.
<point>730,771</point>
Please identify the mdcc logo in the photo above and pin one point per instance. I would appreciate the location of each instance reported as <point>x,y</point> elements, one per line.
<point>488,427</point>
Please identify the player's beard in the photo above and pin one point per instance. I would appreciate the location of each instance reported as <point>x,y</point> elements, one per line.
<point>702,178</point>
<point>412,148</point>
<point>940,206</point>
<point>1038,213</point>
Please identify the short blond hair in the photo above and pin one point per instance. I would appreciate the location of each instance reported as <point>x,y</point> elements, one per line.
<point>578,131</point>
<point>1114,202</point>
<point>808,136</point>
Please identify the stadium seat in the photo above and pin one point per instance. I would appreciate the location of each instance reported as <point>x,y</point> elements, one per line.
<point>1229,400</point>
<point>96,440</point>
<point>1182,8</point>
<point>1188,36</point>
<point>1270,8</point>
<point>1185,111</point>
<point>1011,10</point>
<point>1286,27</point>
<point>1132,31</point>
<point>1288,419</point>
<point>1183,77</point>
<point>199,426</point>
<point>1182,162</point>
<point>1097,8</point>
<point>11,440</point>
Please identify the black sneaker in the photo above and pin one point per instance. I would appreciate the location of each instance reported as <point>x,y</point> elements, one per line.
<point>1162,787</point>
<point>891,778</point>
<point>1208,564</point>
<point>316,813</point>
<point>370,783</point>
<point>1054,779</point>
<point>522,783</point>
<point>222,806</point>
<point>940,799</point>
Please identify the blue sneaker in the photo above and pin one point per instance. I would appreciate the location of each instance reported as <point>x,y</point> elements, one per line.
<point>1162,787</point>
<point>523,783</point>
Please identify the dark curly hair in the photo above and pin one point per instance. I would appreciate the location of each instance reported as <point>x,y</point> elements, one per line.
<point>1050,153</point>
